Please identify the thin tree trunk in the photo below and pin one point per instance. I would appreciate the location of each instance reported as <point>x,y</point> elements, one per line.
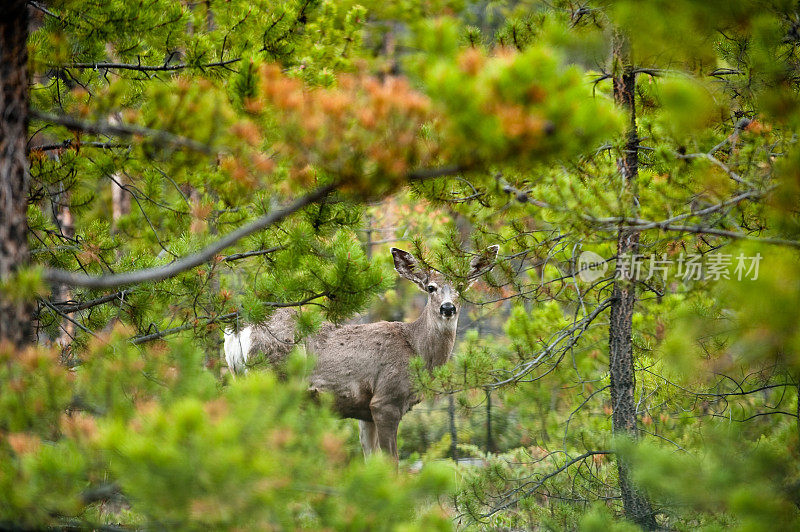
<point>623,379</point>
<point>368,245</point>
<point>489,439</point>
<point>120,202</point>
<point>62,292</point>
<point>16,322</point>
<point>451,411</point>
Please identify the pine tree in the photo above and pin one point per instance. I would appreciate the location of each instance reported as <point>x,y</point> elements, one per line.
<point>16,324</point>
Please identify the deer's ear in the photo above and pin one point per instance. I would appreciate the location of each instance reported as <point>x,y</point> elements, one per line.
<point>482,263</point>
<point>407,266</point>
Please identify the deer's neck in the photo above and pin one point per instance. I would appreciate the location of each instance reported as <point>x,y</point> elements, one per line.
<point>432,338</point>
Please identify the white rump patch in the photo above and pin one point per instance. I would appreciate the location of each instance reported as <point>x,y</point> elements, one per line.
<point>237,348</point>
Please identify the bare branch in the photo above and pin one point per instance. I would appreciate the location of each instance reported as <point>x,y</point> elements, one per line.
<point>733,175</point>
<point>643,225</point>
<point>539,483</point>
<point>698,229</point>
<point>578,326</point>
<point>40,7</point>
<point>174,330</point>
<point>146,68</point>
<point>638,224</point>
<point>159,273</point>
<point>222,317</point>
<point>70,143</point>
<point>247,254</point>
<point>68,318</point>
<point>69,307</point>
<point>122,130</point>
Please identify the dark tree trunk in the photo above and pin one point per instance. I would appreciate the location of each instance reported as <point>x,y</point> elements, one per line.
<point>623,378</point>
<point>16,323</point>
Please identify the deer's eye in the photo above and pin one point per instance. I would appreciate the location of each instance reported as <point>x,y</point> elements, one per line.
<point>431,288</point>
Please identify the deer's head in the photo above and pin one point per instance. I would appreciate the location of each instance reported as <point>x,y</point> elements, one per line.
<point>443,296</point>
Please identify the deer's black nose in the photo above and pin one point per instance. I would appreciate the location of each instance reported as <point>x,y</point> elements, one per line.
<point>447,310</point>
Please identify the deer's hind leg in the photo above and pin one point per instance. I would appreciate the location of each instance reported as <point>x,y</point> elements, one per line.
<point>368,434</point>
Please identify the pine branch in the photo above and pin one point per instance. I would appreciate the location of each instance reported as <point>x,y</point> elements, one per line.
<point>123,130</point>
<point>248,254</point>
<point>70,143</point>
<point>701,230</point>
<point>146,68</point>
<point>572,333</point>
<point>69,307</point>
<point>159,273</point>
<point>539,483</point>
<point>222,317</point>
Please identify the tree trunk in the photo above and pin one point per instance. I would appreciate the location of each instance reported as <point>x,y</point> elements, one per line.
<point>16,322</point>
<point>489,439</point>
<point>451,412</point>
<point>120,202</point>
<point>623,379</point>
<point>61,292</point>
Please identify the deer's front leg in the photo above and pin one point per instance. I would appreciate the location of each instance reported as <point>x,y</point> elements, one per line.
<point>386,417</point>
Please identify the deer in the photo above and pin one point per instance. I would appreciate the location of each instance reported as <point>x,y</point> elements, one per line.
<point>365,367</point>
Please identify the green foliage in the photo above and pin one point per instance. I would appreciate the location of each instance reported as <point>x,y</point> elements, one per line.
<point>531,105</point>
<point>25,284</point>
<point>599,519</point>
<point>685,105</point>
<point>258,453</point>
<point>189,120</point>
<point>735,481</point>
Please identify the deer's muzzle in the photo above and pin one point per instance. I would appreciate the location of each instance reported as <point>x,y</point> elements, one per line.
<point>448,310</point>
